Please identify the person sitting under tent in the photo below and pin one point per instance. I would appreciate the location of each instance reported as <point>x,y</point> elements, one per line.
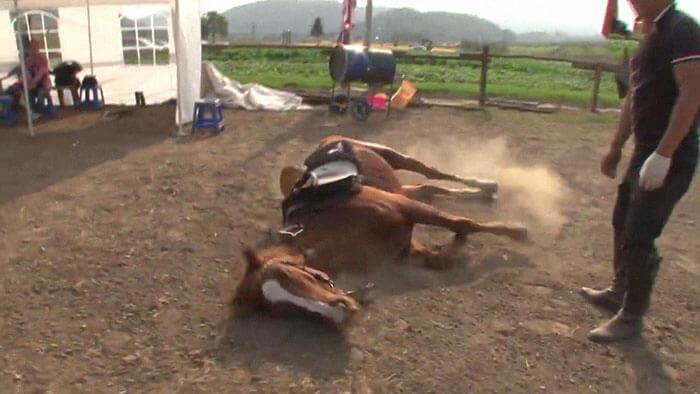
<point>66,77</point>
<point>38,79</point>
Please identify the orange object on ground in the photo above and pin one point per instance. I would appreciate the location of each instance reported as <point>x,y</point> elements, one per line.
<point>403,96</point>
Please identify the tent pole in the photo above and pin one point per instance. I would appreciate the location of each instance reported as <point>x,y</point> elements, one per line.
<point>176,28</point>
<point>92,69</point>
<point>368,24</point>
<point>30,122</point>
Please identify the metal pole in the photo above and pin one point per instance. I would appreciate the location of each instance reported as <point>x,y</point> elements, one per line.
<point>176,28</point>
<point>484,76</point>
<point>596,88</point>
<point>368,24</point>
<point>30,122</point>
<point>92,69</point>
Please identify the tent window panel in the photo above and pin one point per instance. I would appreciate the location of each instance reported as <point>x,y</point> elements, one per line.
<point>160,20</point>
<point>129,39</point>
<point>131,56</point>
<point>147,56</point>
<point>35,22</point>
<point>52,41</point>
<point>55,57</point>
<point>161,37</point>
<point>145,37</point>
<point>50,23</point>
<point>162,57</point>
<point>24,39</point>
<point>39,36</point>
<point>127,22</point>
<point>40,25</point>
<point>144,22</point>
<point>21,25</point>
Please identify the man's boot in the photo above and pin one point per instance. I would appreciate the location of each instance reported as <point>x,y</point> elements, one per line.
<point>627,323</point>
<point>611,298</point>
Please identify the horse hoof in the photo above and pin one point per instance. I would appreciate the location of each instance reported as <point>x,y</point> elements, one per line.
<point>489,188</point>
<point>362,295</point>
<point>520,233</point>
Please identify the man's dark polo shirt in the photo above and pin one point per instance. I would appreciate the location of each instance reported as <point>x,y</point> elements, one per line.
<point>675,39</point>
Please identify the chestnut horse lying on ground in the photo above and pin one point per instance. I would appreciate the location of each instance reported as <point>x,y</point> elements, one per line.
<point>377,163</point>
<point>334,221</point>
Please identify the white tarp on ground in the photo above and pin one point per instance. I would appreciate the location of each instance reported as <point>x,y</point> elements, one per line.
<point>247,96</point>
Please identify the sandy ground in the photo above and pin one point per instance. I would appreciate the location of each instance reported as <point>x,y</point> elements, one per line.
<point>119,246</point>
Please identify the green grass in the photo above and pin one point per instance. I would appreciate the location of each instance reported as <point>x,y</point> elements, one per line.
<point>611,51</point>
<point>523,79</point>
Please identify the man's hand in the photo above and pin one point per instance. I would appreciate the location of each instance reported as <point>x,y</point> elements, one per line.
<point>608,166</point>
<point>654,172</point>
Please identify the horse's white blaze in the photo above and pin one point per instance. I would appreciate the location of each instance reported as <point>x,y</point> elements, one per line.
<point>274,292</point>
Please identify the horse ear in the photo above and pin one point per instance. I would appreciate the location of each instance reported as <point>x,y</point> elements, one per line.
<point>252,258</point>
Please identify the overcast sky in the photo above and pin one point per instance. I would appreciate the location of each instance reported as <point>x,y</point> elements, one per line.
<point>577,16</point>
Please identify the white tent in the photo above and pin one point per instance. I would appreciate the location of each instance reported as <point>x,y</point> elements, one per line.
<point>152,46</point>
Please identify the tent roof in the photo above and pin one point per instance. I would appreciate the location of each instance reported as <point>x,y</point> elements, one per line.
<point>29,4</point>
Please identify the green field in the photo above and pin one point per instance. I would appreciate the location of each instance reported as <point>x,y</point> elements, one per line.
<point>522,79</point>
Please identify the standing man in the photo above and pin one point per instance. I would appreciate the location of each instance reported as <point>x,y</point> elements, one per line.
<point>661,110</point>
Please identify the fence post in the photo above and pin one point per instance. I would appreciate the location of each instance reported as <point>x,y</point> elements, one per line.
<point>484,74</point>
<point>596,87</point>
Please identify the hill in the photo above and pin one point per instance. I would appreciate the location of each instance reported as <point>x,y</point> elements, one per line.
<point>269,18</point>
<point>408,25</point>
<point>272,17</point>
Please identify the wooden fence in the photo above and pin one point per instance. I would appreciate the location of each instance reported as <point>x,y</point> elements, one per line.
<point>484,57</point>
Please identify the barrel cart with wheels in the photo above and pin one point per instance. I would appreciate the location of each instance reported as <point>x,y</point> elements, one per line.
<point>351,63</point>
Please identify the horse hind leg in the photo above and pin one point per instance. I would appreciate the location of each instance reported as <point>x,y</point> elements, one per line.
<point>437,260</point>
<point>421,213</point>
<point>429,192</point>
<point>400,161</point>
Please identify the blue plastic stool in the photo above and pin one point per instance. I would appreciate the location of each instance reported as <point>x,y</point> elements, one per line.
<point>91,97</point>
<point>8,112</point>
<point>43,103</point>
<point>215,122</point>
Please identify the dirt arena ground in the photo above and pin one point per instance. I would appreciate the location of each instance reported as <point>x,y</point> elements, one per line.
<point>119,246</point>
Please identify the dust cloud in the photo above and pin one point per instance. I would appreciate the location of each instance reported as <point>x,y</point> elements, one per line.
<point>529,192</point>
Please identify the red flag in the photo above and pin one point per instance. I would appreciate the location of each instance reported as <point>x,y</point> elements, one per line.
<point>348,21</point>
<point>610,17</point>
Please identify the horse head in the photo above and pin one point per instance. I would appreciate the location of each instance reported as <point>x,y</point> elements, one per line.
<point>278,281</point>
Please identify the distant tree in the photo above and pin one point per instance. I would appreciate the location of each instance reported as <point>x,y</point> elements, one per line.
<point>317,30</point>
<point>213,25</point>
<point>205,29</point>
<point>509,37</point>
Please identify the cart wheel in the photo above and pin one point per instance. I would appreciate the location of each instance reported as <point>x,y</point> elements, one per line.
<point>360,110</point>
<point>337,109</point>
<point>339,104</point>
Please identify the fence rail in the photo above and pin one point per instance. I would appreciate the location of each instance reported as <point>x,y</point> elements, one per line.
<point>484,57</point>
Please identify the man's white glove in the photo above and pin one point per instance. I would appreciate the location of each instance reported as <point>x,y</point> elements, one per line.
<point>654,172</point>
